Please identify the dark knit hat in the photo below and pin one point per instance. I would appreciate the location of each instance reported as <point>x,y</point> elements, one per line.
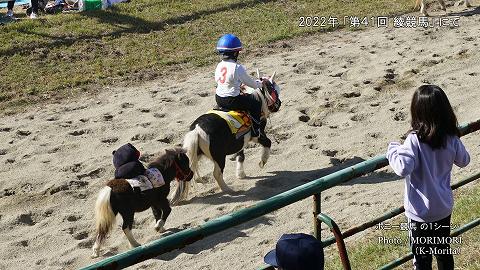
<point>125,160</point>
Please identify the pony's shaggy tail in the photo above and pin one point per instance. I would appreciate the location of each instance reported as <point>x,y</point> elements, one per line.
<point>104,216</point>
<point>190,144</point>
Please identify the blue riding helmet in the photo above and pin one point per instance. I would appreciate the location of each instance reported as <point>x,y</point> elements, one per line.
<point>229,43</point>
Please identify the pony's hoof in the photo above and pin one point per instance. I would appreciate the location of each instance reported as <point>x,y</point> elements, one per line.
<point>134,245</point>
<point>95,254</point>
<point>159,226</point>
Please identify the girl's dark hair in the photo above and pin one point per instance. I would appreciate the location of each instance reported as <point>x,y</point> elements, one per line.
<point>230,55</point>
<point>433,118</point>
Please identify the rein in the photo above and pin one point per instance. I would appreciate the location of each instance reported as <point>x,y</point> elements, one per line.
<point>179,174</point>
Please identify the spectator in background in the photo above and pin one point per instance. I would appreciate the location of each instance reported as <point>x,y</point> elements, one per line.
<point>296,252</point>
<point>33,15</point>
<point>426,159</point>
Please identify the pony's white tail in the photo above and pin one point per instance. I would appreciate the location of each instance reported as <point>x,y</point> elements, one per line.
<point>104,216</point>
<point>190,144</point>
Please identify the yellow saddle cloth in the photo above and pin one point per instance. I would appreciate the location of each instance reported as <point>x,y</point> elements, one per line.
<point>239,122</point>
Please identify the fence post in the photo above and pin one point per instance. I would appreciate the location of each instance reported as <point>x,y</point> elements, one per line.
<point>316,211</point>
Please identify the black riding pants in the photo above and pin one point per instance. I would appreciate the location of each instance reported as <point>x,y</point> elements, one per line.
<point>242,102</point>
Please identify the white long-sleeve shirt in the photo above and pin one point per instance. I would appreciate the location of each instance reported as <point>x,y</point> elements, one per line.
<point>229,76</point>
<point>428,196</point>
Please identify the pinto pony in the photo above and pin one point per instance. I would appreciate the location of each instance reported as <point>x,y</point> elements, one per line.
<point>211,136</point>
<point>119,197</point>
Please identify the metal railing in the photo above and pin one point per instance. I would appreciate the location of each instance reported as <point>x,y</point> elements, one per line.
<point>191,235</point>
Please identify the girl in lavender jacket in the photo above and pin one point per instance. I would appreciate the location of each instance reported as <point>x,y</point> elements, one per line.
<point>426,159</point>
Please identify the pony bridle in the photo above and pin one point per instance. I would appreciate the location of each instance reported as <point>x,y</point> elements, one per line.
<point>271,95</point>
<point>180,174</point>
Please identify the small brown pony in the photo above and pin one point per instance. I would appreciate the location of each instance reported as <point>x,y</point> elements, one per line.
<point>119,197</point>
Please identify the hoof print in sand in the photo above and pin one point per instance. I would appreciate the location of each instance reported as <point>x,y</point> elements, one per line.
<point>72,185</point>
<point>329,153</point>
<point>304,118</point>
<point>92,174</point>
<point>390,76</point>
<point>126,105</point>
<point>73,218</point>
<point>190,102</point>
<point>80,235</point>
<point>48,213</point>
<point>23,243</point>
<point>377,88</point>
<point>166,139</point>
<point>8,192</point>
<point>10,160</point>
<point>337,75</point>
<point>351,94</point>
<point>159,115</point>
<point>312,146</point>
<point>86,243</point>
<point>144,125</point>
<point>26,219</point>
<point>75,168</point>
<point>52,118</point>
<point>107,117</point>
<point>77,132</point>
<point>143,137</point>
<point>23,133</point>
<point>313,90</point>
<point>109,140</point>
<point>358,117</point>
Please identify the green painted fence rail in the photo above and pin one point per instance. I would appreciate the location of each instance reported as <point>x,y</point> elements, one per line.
<point>388,215</point>
<point>189,236</point>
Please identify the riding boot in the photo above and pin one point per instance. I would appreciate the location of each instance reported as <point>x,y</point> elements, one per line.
<point>255,130</point>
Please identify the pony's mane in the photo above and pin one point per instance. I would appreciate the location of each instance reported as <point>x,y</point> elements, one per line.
<point>166,160</point>
<point>258,95</point>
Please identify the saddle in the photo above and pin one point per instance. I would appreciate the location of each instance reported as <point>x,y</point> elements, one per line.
<point>239,122</point>
<point>152,179</point>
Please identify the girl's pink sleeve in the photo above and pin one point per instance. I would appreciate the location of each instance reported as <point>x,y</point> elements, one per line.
<point>401,157</point>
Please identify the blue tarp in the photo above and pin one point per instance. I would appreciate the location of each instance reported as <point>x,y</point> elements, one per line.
<point>3,3</point>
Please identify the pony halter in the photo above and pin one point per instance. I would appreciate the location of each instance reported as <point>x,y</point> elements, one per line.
<point>180,174</point>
